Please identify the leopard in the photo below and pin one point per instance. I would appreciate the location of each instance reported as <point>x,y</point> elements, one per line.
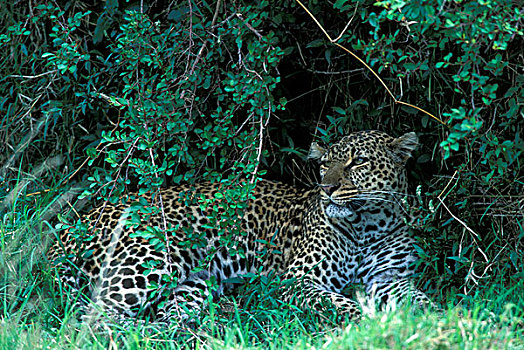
<point>350,228</point>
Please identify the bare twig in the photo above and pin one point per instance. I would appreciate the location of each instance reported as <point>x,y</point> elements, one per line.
<point>32,76</point>
<point>447,185</point>
<point>204,45</point>
<point>26,141</point>
<point>456,218</point>
<point>333,41</point>
<point>475,235</point>
<point>347,25</point>
<point>336,72</point>
<point>215,15</point>
<point>259,36</point>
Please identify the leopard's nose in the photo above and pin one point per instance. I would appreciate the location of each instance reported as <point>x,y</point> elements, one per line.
<point>329,189</point>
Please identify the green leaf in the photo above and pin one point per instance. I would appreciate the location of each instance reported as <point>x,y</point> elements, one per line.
<point>316,43</point>
<point>339,110</point>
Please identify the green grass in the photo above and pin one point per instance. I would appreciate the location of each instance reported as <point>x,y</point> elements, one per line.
<point>35,313</point>
<point>390,330</point>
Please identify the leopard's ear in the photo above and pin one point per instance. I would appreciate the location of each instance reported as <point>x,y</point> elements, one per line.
<point>403,146</point>
<point>316,151</point>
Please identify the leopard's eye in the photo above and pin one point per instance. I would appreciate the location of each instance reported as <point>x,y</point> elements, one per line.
<point>358,161</point>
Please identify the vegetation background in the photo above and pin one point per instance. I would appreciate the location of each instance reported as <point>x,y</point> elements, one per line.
<point>99,99</point>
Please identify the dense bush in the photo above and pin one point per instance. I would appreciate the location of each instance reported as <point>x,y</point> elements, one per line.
<point>225,92</point>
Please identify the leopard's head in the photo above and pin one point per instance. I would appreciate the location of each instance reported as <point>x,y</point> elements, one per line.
<point>363,167</point>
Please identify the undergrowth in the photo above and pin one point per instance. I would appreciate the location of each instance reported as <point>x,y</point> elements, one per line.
<point>38,313</point>
<point>106,98</point>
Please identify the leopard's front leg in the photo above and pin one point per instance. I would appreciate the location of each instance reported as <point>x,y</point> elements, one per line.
<point>204,279</point>
<point>397,291</point>
<point>307,295</point>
